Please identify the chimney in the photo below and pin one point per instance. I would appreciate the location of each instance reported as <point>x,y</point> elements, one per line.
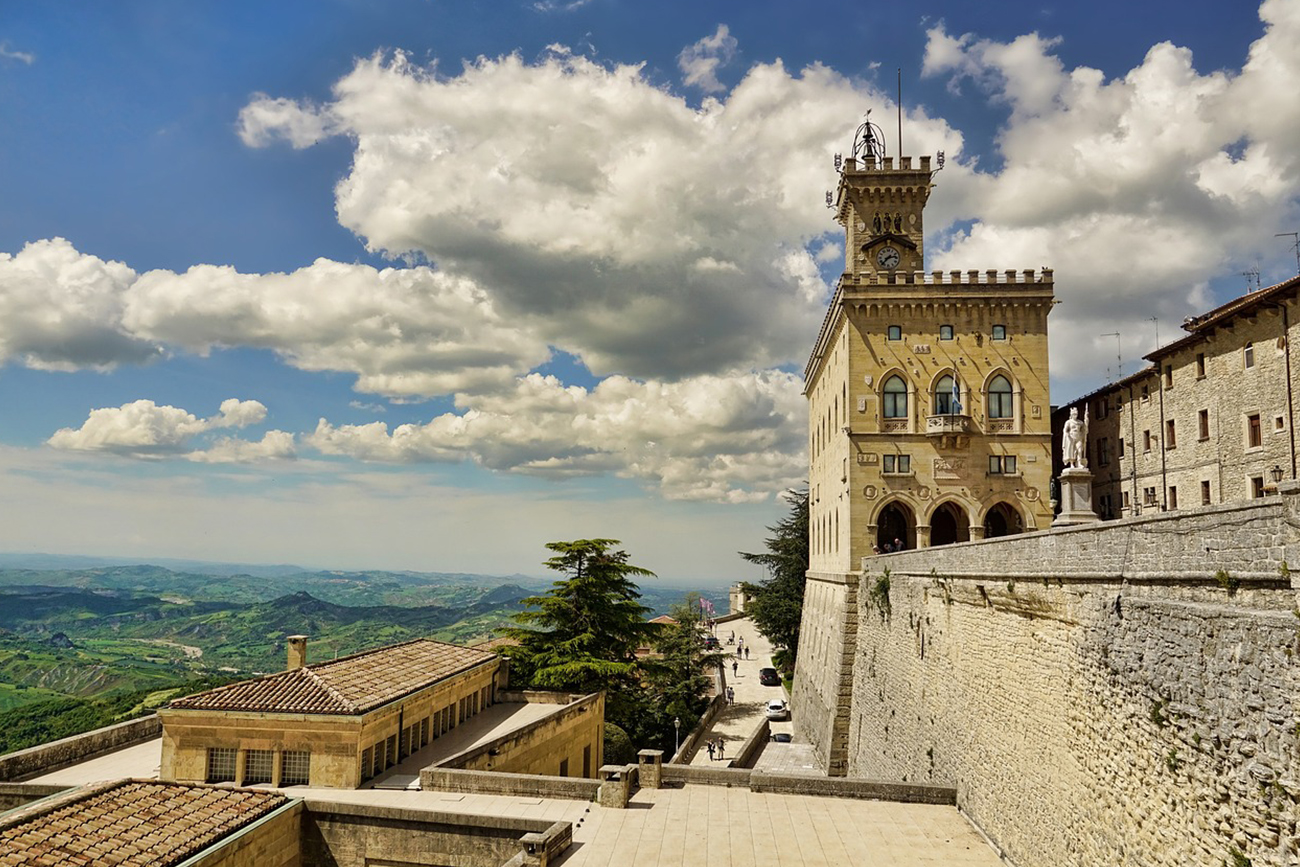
<point>297,651</point>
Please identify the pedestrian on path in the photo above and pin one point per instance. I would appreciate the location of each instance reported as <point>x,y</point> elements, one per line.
<point>710,745</point>
<point>734,666</point>
<point>721,749</point>
<point>747,653</point>
<point>731,695</point>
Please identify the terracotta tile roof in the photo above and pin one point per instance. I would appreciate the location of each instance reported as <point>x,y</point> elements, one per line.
<point>132,823</point>
<point>1198,325</point>
<point>349,685</point>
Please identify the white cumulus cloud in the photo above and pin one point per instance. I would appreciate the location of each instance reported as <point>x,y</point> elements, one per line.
<point>147,430</point>
<point>736,438</point>
<point>1137,189</point>
<point>701,60</point>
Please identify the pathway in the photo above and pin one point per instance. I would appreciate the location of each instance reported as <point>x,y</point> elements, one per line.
<point>737,722</point>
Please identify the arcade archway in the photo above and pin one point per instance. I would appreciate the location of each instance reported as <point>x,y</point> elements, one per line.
<point>895,523</point>
<point>948,524</point>
<point>1002,520</point>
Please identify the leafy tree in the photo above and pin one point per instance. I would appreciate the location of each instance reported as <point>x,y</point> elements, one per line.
<point>776,605</point>
<point>588,626</point>
<point>678,676</point>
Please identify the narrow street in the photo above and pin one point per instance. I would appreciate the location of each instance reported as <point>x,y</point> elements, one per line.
<point>738,721</point>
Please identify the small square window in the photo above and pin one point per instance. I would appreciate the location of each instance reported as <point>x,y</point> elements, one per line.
<point>1002,465</point>
<point>1205,492</point>
<point>896,463</point>
<point>1173,498</point>
<point>999,332</point>
<point>945,332</point>
<point>1146,440</point>
<point>1169,376</point>
<point>258,765</point>
<point>1254,436</point>
<point>1278,423</point>
<point>1146,393</point>
<point>1203,422</point>
<point>1171,441</point>
<point>1121,447</point>
<point>1248,355</point>
<point>295,768</point>
<point>1257,487</point>
<point>221,765</point>
<point>1200,365</point>
<point>1148,496</point>
<point>895,332</point>
<point>1126,500</point>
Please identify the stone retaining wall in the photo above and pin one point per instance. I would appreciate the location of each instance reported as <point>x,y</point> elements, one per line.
<point>69,751</point>
<point>1118,693</point>
<point>493,783</point>
<point>14,795</point>
<point>753,746</point>
<point>353,835</point>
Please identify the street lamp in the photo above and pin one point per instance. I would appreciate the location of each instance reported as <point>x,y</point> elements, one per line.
<point>1276,473</point>
<point>677,737</point>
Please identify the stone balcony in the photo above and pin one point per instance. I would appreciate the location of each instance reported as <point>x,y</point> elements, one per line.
<point>947,425</point>
<point>950,431</point>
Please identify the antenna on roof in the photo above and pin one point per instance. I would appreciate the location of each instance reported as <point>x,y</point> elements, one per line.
<point>1252,278</point>
<point>1294,246</point>
<point>1119,362</point>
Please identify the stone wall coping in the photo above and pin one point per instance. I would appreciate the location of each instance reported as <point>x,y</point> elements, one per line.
<point>74,749</point>
<point>510,825</point>
<point>707,776</point>
<point>752,747</point>
<point>852,787</point>
<point>469,753</point>
<point>497,783</point>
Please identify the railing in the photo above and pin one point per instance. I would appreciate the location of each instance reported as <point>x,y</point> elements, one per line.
<point>895,425</point>
<point>940,425</point>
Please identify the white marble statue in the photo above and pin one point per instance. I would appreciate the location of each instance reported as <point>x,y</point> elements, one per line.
<point>1074,440</point>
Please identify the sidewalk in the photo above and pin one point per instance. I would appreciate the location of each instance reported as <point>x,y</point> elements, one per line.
<point>736,723</point>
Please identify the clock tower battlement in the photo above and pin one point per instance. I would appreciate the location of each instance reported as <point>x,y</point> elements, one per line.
<point>881,209</point>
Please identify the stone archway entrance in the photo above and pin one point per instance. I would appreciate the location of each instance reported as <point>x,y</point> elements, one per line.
<point>948,524</point>
<point>896,521</point>
<point>1002,520</point>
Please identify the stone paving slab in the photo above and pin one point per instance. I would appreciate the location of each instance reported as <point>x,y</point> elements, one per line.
<point>716,826</point>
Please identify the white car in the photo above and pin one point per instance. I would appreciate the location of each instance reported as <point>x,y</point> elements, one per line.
<point>776,710</point>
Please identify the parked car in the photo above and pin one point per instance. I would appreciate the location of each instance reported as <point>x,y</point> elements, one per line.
<point>769,677</point>
<point>776,710</point>
<point>711,642</point>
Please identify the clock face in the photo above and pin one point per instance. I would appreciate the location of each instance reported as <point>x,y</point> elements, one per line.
<point>888,258</point>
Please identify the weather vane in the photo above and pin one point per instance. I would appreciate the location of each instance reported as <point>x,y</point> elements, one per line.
<point>869,142</point>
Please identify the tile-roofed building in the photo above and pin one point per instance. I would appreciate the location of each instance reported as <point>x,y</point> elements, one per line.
<point>336,723</point>
<point>349,685</point>
<point>133,823</point>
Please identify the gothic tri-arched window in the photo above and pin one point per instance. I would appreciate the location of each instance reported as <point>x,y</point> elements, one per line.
<point>895,397</point>
<point>1000,397</point>
<point>945,397</point>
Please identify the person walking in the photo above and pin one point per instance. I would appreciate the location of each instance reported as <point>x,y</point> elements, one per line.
<point>734,666</point>
<point>710,746</point>
<point>721,749</point>
<point>746,653</point>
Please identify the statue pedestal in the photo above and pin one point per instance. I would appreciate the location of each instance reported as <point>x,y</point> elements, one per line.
<point>1076,498</point>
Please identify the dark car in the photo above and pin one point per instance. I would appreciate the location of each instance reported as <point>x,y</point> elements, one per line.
<point>769,677</point>
<point>711,642</point>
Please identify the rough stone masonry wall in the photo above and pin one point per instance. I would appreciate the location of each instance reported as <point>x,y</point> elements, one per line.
<point>1095,695</point>
<point>822,680</point>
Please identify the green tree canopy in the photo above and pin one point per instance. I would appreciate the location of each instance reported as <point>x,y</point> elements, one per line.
<point>583,634</point>
<point>776,605</point>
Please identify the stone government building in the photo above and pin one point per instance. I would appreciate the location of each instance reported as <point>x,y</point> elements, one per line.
<point>1120,692</point>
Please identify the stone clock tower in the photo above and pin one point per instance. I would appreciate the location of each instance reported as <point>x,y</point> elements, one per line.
<point>929,418</point>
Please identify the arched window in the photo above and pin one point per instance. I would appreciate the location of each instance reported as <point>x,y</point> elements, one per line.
<point>1000,397</point>
<point>945,397</point>
<point>895,394</point>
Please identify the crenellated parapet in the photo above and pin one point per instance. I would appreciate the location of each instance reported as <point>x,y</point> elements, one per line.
<point>991,277</point>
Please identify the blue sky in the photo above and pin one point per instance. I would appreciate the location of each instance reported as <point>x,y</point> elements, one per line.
<point>426,285</point>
